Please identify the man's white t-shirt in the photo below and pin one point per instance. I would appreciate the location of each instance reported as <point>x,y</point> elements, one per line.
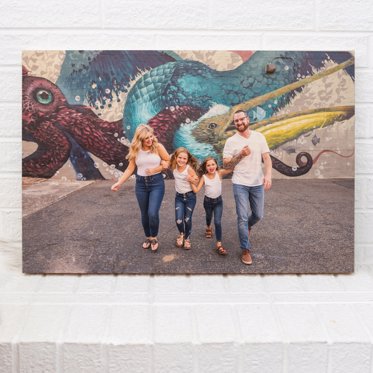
<point>248,171</point>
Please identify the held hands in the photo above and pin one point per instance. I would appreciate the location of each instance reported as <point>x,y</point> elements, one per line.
<point>152,171</point>
<point>165,164</point>
<point>193,179</point>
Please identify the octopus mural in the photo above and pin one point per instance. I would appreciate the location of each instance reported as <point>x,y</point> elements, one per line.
<point>87,116</point>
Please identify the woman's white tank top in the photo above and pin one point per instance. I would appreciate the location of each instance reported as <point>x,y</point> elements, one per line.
<point>145,159</point>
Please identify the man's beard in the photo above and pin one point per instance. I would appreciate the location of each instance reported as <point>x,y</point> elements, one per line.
<point>243,127</point>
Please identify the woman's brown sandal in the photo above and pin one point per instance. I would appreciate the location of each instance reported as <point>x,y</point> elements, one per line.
<point>154,245</point>
<point>221,251</point>
<point>180,240</point>
<point>146,244</point>
<point>208,233</point>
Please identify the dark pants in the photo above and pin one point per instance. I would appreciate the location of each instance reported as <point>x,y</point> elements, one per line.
<point>149,194</point>
<point>214,207</point>
<point>184,206</point>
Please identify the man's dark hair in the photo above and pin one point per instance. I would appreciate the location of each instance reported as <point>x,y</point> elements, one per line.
<point>240,111</point>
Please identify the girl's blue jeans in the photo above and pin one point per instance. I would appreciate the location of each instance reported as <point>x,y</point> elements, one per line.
<point>214,207</point>
<point>184,206</point>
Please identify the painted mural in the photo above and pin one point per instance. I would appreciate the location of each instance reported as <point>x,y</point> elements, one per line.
<point>80,109</point>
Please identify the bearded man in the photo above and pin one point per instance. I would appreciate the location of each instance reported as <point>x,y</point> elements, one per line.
<point>245,151</point>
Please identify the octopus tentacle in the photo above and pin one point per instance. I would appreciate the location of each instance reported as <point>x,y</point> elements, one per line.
<point>80,159</point>
<point>167,121</point>
<point>52,153</point>
<point>61,131</point>
<point>302,168</point>
<point>99,137</point>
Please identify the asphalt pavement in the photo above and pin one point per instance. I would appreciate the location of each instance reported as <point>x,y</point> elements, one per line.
<point>308,227</point>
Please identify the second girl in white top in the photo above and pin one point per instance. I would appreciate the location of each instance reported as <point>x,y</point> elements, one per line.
<point>213,201</point>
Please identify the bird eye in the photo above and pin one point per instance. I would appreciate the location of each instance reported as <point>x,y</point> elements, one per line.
<point>211,126</point>
<point>43,96</point>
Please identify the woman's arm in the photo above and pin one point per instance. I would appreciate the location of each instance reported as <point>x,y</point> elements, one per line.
<point>126,174</point>
<point>155,170</point>
<point>165,157</point>
<point>197,188</point>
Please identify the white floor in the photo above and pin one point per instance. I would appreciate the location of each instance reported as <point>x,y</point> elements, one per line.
<point>269,323</point>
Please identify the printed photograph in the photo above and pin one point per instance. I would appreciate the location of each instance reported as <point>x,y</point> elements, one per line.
<point>188,162</point>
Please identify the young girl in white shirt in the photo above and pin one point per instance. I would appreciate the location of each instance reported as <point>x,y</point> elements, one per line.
<point>184,167</point>
<point>213,201</point>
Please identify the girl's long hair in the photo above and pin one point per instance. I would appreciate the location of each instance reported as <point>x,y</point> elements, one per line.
<point>202,169</point>
<point>192,161</point>
<point>142,132</point>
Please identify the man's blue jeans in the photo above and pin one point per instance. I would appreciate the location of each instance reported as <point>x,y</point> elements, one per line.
<point>184,206</point>
<point>149,194</point>
<point>249,209</point>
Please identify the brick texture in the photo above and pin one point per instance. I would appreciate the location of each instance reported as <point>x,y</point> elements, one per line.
<point>260,324</point>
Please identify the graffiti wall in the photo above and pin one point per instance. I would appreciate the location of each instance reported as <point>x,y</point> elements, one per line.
<point>80,109</point>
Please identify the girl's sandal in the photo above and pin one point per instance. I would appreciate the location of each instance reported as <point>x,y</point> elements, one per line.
<point>208,233</point>
<point>180,240</point>
<point>187,244</point>
<point>146,244</point>
<point>221,251</point>
<point>154,245</point>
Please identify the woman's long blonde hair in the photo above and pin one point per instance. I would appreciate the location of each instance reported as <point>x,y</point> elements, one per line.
<point>192,161</point>
<point>142,132</point>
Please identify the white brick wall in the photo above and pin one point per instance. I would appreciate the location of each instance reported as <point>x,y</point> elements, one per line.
<point>194,323</point>
<point>261,15</point>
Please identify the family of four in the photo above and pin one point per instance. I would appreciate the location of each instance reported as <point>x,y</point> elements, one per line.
<point>243,155</point>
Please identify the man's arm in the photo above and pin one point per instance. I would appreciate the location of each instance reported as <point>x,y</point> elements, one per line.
<point>267,180</point>
<point>230,163</point>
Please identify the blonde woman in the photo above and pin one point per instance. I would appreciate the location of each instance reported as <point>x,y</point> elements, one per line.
<point>150,157</point>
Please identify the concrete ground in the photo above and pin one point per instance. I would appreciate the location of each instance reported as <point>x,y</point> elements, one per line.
<point>308,228</point>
